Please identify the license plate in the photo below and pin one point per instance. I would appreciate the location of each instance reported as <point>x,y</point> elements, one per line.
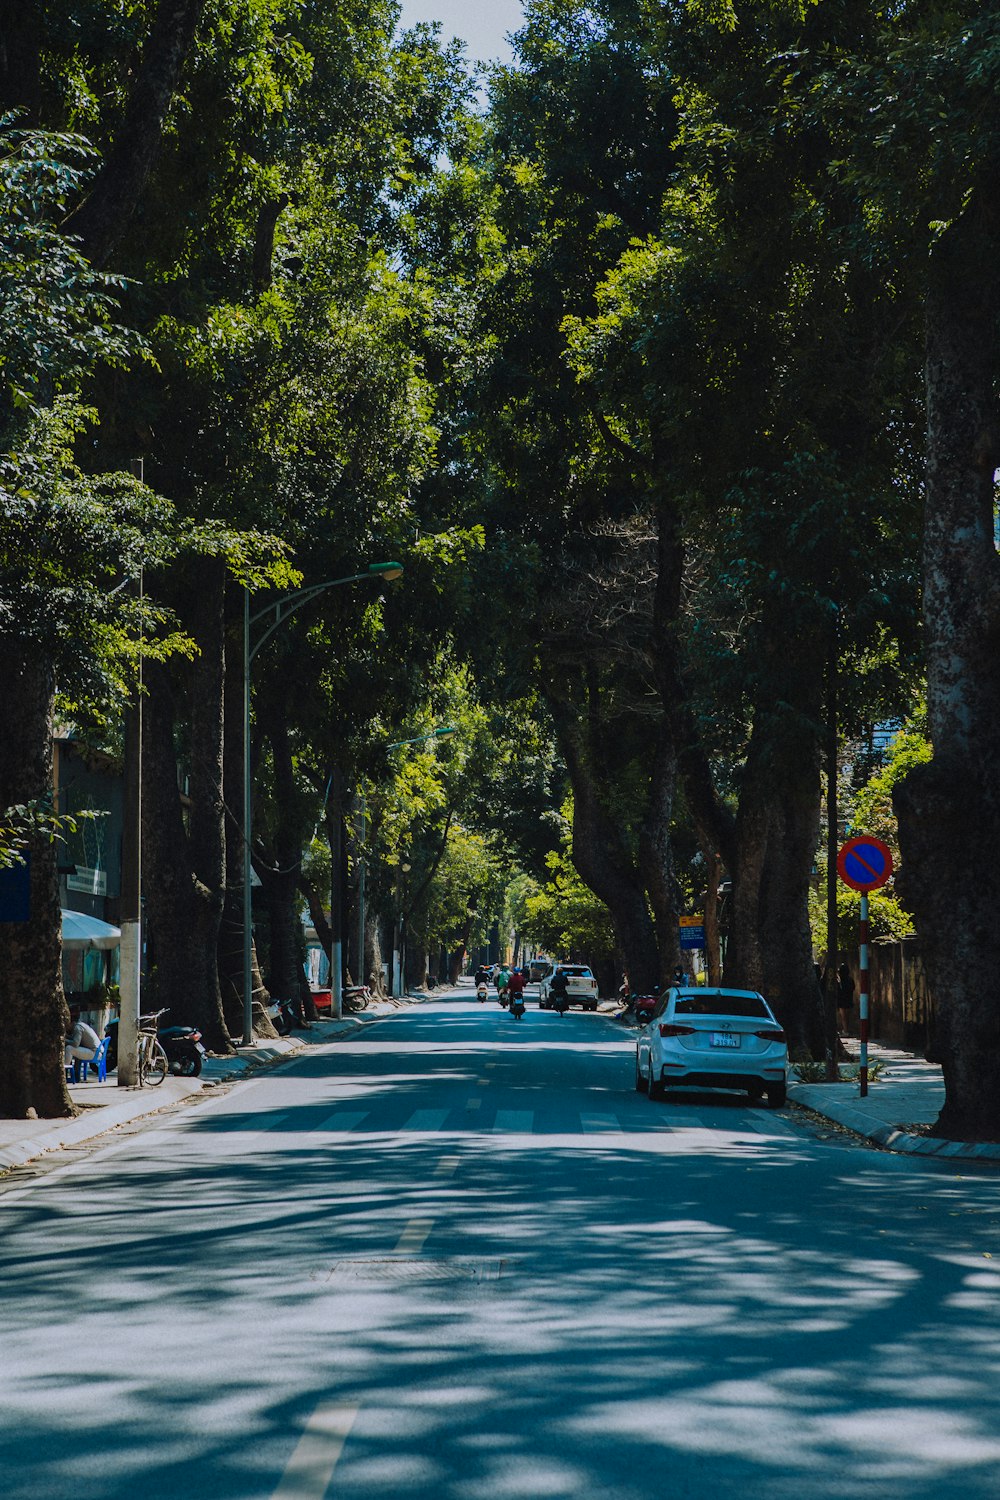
<point>201,1049</point>
<point>723,1039</point>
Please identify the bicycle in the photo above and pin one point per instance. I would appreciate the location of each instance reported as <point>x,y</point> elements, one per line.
<point>153,1066</point>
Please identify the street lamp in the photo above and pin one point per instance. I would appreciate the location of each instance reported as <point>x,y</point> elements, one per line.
<point>362,816</point>
<point>280,610</point>
<point>433,735</point>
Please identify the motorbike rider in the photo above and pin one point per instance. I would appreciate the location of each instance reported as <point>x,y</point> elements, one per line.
<point>515,985</point>
<point>482,976</point>
<point>558,988</point>
<point>502,981</point>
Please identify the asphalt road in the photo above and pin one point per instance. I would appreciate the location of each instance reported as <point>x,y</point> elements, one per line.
<point>459,1258</point>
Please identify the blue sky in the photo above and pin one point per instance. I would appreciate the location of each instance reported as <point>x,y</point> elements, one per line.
<point>482,24</point>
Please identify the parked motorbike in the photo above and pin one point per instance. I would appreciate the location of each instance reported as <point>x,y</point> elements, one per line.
<point>184,1049</point>
<point>182,1044</point>
<point>283,1016</point>
<point>643,1007</point>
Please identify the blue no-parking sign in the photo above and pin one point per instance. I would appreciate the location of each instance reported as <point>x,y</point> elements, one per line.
<point>864,863</point>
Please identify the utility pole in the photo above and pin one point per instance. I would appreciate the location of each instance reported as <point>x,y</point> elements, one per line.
<point>130,916</point>
<point>131,902</point>
<point>334,823</point>
<point>832,844</point>
<point>360,977</point>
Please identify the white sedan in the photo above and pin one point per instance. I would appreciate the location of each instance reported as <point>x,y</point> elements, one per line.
<point>713,1038</point>
<point>581,986</point>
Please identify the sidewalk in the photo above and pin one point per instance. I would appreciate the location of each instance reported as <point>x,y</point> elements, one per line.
<point>104,1106</point>
<point>908,1092</point>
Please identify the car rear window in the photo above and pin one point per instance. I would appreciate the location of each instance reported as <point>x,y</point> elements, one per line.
<point>574,973</point>
<point>721,1005</point>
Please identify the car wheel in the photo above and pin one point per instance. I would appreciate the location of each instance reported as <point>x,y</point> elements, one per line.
<point>655,1084</point>
<point>755,1093</point>
<point>777,1093</point>
<point>641,1081</point>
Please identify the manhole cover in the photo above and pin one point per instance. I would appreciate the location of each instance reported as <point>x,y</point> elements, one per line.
<point>392,1268</point>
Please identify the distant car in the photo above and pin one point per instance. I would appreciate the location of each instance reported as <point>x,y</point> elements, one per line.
<point>538,968</point>
<point>713,1038</point>
<point>581,986</point>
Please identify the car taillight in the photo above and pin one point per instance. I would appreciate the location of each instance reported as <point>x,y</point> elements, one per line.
<point>669,1030</point>
<point>770,1036</point>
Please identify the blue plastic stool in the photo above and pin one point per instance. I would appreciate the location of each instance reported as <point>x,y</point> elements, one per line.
<point>98,1061</point>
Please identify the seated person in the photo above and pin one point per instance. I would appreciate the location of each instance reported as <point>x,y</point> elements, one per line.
<point>82,1042</point>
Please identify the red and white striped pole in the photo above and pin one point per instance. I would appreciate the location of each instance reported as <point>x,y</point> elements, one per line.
<point>863,1001</point>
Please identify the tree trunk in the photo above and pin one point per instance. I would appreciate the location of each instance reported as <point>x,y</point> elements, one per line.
<point>656,856</point>
<point>263,250</point>
<point>770,942</point>
<point>416,967</point>
<point>713,941</point>
<point>33,1012</point>
<point>280,871</point>
<point>231,925</point>
<point>103,218</point>
<point>20,60</point>
<point>185,866</point>
<point>374,965</point>
<point>460,954</point>
<point>949,808</point>
<point>603,862</point>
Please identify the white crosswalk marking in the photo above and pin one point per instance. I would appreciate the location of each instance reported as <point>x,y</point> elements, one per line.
<point>252,1124</point>
<point>426,1119</point>
<point>519,1121</point>
<point>768,1124</point>
<point>345,1119</point>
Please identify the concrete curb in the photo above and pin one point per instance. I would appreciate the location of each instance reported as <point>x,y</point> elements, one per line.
<point>890,1137</point>
<point>52,1135</point>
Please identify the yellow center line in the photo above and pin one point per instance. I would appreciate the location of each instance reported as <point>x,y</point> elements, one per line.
<point>310,1468</point>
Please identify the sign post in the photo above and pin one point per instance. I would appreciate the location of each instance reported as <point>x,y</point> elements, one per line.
<point>864,863</point>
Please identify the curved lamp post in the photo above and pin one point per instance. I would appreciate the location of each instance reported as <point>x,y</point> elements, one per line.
<point>275,615</point>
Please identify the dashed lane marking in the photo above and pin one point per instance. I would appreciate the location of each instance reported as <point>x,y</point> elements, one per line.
<point>310,1468</point>
<point>413,1236</point>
